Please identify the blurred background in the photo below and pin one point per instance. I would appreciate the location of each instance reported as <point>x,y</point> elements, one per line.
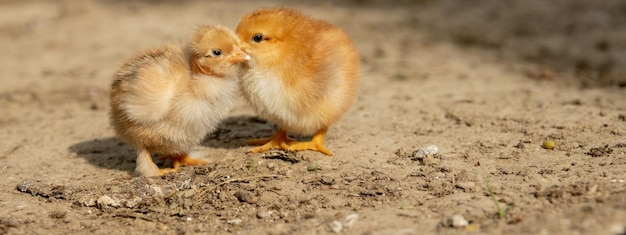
<point>576,41</point>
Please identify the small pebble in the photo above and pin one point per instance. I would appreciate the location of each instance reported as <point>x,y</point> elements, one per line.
<point>262,214</point>
<point>457,221</point>
<point>245,196</point>
<point>234,221</point>
<point>350,220</point>
<point>421,153</point>
<point>336,226</point>
<point>105,200</point>
<point>549,144</point>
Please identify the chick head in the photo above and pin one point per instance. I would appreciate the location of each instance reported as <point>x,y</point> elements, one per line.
<point>214,50</point>
<point>270,33</point>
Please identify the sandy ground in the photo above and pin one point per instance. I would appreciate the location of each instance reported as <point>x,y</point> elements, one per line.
<point>485,81</point>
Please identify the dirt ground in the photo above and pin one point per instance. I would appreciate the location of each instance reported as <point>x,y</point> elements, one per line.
<point>485,81</point>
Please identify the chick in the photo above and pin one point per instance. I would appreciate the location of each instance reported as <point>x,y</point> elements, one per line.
<point>303,75</point>
<point>167,98</point>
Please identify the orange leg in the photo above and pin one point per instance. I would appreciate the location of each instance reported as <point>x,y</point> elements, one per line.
<point>278,140</point>
<point>316,144</point>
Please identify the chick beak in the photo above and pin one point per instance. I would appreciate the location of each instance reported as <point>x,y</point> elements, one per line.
<point>239,57</point>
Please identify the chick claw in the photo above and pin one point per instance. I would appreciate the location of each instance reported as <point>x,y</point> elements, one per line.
<point>316,144</point>
<point>278,140</point>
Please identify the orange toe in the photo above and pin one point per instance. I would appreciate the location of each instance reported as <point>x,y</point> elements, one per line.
<point>183,160</point>
<point>316,144</point>
<point>167,170</point>
<point>310,145</point>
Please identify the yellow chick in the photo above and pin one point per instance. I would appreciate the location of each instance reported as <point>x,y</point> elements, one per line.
<point>303,75</point>
<point>167,98</point>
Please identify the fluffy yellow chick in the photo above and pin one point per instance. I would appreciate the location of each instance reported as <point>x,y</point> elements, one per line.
<point>167,98</point>
<point>303,75</point>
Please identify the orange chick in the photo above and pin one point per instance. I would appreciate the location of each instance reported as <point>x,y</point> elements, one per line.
<point>303,75</point>
<point>167,98</point>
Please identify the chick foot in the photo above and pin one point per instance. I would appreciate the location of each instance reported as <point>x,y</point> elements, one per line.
<point>316,144</point>
<point>183,160</point>
<point>278,140</point>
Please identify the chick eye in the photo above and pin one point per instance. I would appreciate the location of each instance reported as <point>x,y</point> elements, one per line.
<point>257,37</point>
<point>217,52</point>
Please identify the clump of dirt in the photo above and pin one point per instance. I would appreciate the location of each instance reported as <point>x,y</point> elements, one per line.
<point>600,151</point>
<point>424,155</point>
<point>135,193</point>
<point>288,156</point>
<point>556,193</point>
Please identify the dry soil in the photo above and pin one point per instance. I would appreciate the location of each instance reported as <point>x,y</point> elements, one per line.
<point>485,81</point>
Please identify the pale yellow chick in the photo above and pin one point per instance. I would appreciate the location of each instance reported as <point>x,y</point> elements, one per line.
<point>167,98</point>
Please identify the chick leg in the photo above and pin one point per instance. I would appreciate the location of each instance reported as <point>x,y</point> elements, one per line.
<point>278,140</point>
<point>145,165</point>
<point>316,144</point>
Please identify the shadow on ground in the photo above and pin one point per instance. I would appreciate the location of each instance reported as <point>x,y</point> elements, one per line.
<point>113,153</point>
<point>109,153</point>
<point>233,132</point>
